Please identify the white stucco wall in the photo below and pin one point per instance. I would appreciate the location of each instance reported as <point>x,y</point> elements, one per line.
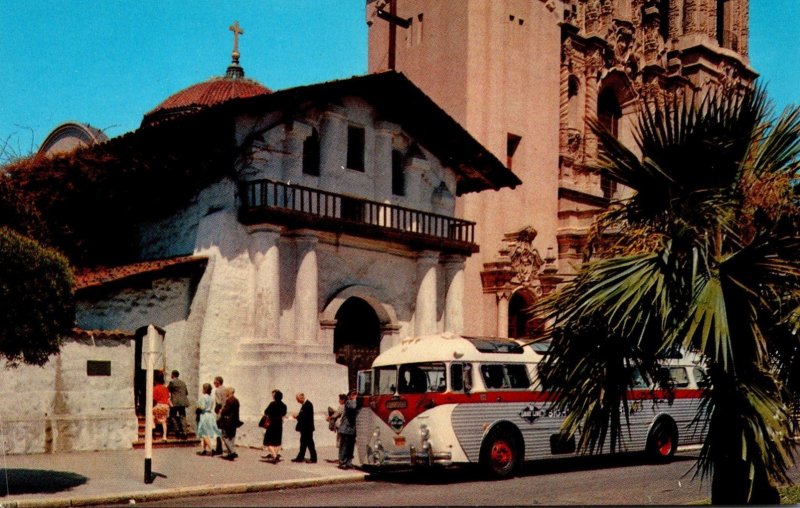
<point>164,302</point>
<point>58,407</point>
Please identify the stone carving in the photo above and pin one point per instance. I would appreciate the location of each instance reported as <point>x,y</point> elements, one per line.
<point>574,139</point>
<point>622,42</point>
<point>525,260</point>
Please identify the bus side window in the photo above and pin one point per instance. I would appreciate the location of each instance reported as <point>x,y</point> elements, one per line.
<point>679,376</point>
<point>700,377</point>
<point>517,376</point>
<point>457,377</point>
<point>492,376</point>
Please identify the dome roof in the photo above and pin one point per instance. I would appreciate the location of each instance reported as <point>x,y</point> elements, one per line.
<point>209,93</point>
<point>202,95</point>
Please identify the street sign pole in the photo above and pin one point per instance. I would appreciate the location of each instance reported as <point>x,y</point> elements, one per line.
<point>150,355</point>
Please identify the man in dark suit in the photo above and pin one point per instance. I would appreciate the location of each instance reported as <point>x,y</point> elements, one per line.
<point>228,423</point>
<point>305,426</point>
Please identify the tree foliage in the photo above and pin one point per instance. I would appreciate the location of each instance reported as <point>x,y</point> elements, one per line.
<point>88,203</point>
<point>36,300</point>
<point>702,256</point>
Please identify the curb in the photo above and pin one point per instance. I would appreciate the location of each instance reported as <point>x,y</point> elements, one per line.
<point>197,490</point>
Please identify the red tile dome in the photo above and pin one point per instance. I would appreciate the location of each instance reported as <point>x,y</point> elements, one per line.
<point>209,93</point>
<point>203,95</point>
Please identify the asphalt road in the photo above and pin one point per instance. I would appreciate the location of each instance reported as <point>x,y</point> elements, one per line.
<point>619,480</point>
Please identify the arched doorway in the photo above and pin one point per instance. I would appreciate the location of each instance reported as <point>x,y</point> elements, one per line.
<point>518,317</point>
<point>357,337</point>
<point>522,323</point>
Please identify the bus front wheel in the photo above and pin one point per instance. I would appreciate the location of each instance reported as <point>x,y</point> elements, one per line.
<point>500,455</point>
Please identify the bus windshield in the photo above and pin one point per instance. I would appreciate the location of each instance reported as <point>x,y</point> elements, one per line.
<point>410,378</point>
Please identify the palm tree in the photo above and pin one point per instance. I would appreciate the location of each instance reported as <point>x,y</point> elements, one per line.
<point>703,256</point>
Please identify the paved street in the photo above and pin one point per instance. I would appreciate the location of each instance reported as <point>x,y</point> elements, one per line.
<point>573,481</point>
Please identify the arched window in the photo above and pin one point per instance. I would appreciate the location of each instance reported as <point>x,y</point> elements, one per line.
<point>609,114</point>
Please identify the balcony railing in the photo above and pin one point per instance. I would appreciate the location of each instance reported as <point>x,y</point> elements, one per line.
<point>268,200</point>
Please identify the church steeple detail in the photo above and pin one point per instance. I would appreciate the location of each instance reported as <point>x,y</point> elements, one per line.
<point>235,71</point>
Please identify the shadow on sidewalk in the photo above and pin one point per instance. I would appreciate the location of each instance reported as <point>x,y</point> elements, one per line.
<point>37,481</point>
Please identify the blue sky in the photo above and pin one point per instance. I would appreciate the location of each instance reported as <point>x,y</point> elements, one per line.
<point>107,62</point>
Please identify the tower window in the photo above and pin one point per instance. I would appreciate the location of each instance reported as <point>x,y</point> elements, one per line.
<point>311,154</point>
<point>512,143</point>
<point>398,174</point>
<point>608,114</point>
<point>725,36</point>
<point>355,148</point>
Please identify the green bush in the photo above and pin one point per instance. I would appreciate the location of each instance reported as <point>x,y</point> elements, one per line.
<point>37,308</point>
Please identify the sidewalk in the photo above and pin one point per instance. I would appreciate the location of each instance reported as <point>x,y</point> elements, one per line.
<point>93,478</point>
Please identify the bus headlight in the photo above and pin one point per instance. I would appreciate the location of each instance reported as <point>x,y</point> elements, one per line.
<point>424,433</point>
<point>375,452</point>
<point>424,437</point>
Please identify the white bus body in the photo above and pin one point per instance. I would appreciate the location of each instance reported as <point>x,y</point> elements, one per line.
<point>447,399</point>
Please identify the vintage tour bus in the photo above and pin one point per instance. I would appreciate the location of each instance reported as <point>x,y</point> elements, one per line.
<point>449,399</point>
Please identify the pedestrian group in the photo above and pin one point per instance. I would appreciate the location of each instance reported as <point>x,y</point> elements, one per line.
<point>217,418</point>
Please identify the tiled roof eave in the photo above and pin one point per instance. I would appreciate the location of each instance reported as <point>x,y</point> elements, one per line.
<point>102,276</point>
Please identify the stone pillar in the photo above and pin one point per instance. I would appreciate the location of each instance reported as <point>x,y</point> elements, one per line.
<point>690,20</point>
<point>593,66</point>
<point>503,298</point>
<point>384,139</point>
<point>332,146</point>
<point>675,27</point>
<point>267,301</point>
<point>743,29</point>
<point>425,313</point>
<point>306,290</point>
<point>454,296</point>
<point>293,146</point>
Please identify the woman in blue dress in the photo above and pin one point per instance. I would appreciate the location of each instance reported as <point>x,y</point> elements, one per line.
<point>207,429</point>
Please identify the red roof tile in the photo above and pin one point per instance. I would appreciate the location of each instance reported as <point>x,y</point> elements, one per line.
<point>98,276</point>
<point>203,95</point>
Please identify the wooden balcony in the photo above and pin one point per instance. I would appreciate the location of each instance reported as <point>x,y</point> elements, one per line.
<point>297,207</point>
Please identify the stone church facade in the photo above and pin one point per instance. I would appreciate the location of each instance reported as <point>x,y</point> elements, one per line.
<point>333,237</point>
<point>523,76</point>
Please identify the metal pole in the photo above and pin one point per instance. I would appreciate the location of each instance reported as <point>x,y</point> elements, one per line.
<point>148,418</point>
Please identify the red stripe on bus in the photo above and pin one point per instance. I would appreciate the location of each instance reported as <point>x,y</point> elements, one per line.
<point>412,405</point>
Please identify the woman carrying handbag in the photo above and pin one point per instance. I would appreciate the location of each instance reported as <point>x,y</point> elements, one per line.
<point>272,421</point>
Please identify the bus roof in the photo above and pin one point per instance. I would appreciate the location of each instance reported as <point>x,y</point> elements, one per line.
<point>451,347</point>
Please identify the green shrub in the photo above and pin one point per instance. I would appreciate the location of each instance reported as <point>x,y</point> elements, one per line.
<point>37,308</point>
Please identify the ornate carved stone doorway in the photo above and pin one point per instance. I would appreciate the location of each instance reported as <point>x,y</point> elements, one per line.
<point>357,337</point>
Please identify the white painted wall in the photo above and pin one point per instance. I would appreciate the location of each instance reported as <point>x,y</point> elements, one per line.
<point>58,407</point>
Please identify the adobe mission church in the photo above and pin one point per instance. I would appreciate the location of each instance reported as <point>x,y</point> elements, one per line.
<point>445,191</point>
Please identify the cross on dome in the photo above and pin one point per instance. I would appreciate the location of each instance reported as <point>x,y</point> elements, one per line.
<point>234,69</point>
<point>237,31</point>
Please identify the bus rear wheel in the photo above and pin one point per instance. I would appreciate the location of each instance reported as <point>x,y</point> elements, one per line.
<point>500,455</point>
<point>662,441</point>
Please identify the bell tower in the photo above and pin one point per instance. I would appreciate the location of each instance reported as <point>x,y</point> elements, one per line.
<point>523,77</point>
